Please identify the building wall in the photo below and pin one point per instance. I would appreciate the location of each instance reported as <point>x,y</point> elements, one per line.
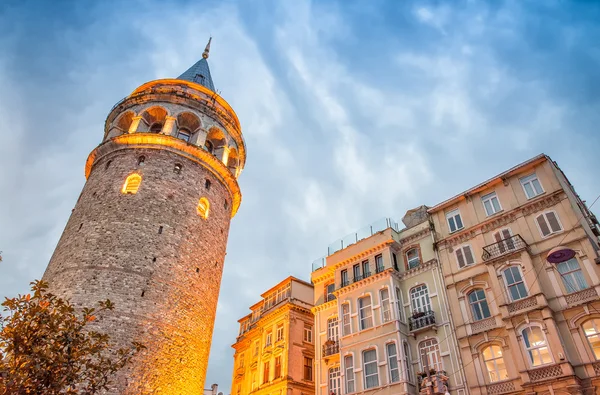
<point>548,304</point>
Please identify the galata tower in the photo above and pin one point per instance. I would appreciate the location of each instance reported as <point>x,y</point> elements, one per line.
<point>149,230</point>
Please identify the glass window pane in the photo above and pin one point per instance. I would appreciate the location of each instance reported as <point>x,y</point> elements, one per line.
<point>496,204</point>
<point>537,186</point>
<point>488,207</point>
<point>529,190</point>
<point>458,220</point>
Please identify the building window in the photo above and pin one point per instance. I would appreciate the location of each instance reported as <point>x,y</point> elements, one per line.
<point>253,381</point>
<point>256,346</point>
<point>412,258</point>
<point>370,369</point>
<point>399,304</point>
<point>479,305</point>
<point>177,168</point>
<point>430,355</point>
<point>591,329</point>
<point>454,220</point>
<point>329,288</point>
<point>504,239</point>
<point>514,283</point>
<point>332,329</point>
<point>184,134</point>
<point>392,356</point>
<point>491,203</point>
<point>494,363</point>
<point>141,160</point>
<point>132,184</point>
<point>239,389</point>
<point>308,333</point>
<point>464,256</point>
<point>384,297</point>
<point>203,207</point>
<point>346,329</point>
<point>156,128</point>
<point>279,332</point>
<point>308,369</point>
<point>335,381</point>
<point>277,367</point>
<point>268,339</point>
<point>241,360</point>
<point>349,376</point>
<point>379,264</point>
<point>266,366</point>
<point>395,260</point>
<point>366,270</point>
<point>536,347</point>
<point>571,275</point>
<point>365,312</point>
<point>209,146</point>
<point>548,223</point>
<point>407,364</point>
<point>356,272</point>
<point>531,186</point>
<point>419,299</point>
<point>344,276</point>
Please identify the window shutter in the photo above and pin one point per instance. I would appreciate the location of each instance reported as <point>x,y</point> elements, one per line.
<point>541,220</point>
<point>468,255</point>
<point>460,258</point>
<point>506,234</point>
<point>553,221</point>
<point>497,236</point>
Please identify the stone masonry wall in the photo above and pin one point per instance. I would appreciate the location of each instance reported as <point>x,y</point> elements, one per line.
<point>155,258</point>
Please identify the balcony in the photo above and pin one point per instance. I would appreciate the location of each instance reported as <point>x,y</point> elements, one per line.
<point>421,320</point>
<point>504,247</point>
<point>331,347</point>
<point>433,383</point>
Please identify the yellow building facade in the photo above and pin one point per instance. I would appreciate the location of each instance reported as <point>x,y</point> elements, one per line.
<point>524,325</point>
<point>274,352</point>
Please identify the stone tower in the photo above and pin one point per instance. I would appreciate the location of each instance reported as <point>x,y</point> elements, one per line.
<point>149,230</point>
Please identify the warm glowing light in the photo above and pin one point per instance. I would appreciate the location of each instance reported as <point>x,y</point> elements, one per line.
<point>132,184</point>
<point>203,207</point>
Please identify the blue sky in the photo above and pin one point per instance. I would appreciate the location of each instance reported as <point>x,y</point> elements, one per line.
<point>351,110</point>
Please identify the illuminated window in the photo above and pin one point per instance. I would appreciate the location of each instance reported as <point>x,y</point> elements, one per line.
<point>536,346</point>
<point>184,134</point>
<point>494,363</point>
<point>592,333</point>
<point>156,128</point>
<point>132,184</point>
<point>203,207</point>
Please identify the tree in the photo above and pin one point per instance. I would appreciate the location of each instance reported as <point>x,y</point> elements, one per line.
<point>46,346</point>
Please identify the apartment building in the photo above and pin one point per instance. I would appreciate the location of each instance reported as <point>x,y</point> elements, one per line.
<point>381,317</point>
<point>524,325</point>
<point>274,352</point>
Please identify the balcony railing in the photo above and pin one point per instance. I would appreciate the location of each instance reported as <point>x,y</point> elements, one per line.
<point>504,247</point>
<point>331,347</point>
<point>421,320</point>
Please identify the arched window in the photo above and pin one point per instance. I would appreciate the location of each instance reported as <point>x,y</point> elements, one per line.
<point>392,355</point>
<point>419,299</point>
<point>132,184</point>
<point>203,207</point>
<point>571,275</point>
<point>209,146</point>
<point>365,313</point>
<point>536,346</point>
<point>335,381</point>
<point>332,329</point>
<point>429,350</point>
<point>591,329</point>
<point>384,299</point>
<point>184,134</point>
<point>479,305</point>
<point>141,160</point>
<point>514,283</point>
<point>349,376</point>
<point>346,328</point>
<point>412,258</point>
<point>494,363</point>
<point>156,127</point>
<point>370,369</point>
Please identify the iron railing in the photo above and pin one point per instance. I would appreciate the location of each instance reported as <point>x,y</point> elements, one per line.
<point>331,347</point>
<point>504,247</point>
<point>421,320</point>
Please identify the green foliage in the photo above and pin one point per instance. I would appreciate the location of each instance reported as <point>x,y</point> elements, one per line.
<point>47,348</point>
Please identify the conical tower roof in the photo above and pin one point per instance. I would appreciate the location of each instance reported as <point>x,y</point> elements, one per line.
<point>200,72</point>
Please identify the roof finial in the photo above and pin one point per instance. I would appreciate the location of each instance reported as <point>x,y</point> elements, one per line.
<point>207,49</point>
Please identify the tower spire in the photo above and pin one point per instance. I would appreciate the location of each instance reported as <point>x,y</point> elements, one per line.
<point>207,49</point>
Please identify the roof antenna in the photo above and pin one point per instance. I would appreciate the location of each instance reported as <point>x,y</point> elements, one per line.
<point>207,49</point>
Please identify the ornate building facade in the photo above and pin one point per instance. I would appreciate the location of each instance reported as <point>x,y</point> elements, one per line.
<point>149,230</point>
<point>524,325</point>
<point>381,314</point>
<point>274,352</point>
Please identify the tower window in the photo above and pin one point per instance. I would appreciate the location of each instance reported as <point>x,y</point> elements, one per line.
<point>199,78</point>
<point>132,184</point>
<point>141,160</point>
<point>156,127</point>
<point>203,207</point>
<point>160,229</point>
<point>207,184</point>
<point>177,168</point>
<point>108,164</point>
<point>184,134</point>
<point>209,146</point>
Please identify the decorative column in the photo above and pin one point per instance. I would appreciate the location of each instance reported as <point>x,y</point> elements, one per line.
<point>169,126</point>
<point>135,123</point>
